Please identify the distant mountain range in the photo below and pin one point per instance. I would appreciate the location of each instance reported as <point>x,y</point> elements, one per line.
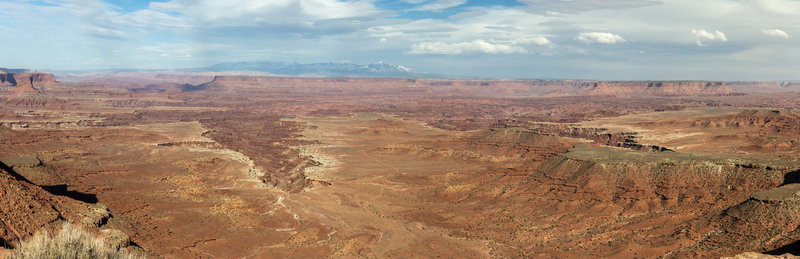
<point>12,70</point>
<point>329,69</point>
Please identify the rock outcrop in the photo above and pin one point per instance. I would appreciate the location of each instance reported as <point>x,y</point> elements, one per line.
<point>646,182</point>
<point>34,170</point>
<point>600,136</point>
<point>28,82</point>
<point>26,208</point>
<point>34,197</point>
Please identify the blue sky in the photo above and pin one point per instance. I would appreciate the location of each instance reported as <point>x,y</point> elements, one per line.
<point>575,39</point>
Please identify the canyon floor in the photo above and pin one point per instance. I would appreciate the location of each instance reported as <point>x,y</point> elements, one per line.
<point>183,166</point>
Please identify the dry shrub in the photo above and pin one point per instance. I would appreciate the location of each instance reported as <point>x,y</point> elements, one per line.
<point>72,241</point>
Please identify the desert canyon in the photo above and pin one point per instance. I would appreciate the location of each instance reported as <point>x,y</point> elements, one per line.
<point>223,166</point>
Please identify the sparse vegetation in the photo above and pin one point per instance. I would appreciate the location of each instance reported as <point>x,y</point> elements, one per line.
<point>71,241</point>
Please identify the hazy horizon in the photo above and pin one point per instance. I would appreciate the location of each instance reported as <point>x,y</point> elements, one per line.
<point>721,40</point>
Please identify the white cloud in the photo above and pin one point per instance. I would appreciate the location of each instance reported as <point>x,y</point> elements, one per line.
<point>600,37</point>
<point>439,5</point>
<point>717,35</point>
<point>94,18</point>
<point>775,33</point>
<point>475,46</point>
<point>703,34</point>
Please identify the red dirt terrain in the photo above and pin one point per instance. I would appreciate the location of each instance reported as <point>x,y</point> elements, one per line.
<point>205,166</point>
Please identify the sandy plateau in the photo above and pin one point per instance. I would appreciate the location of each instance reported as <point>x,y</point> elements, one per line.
<point>271,167</point>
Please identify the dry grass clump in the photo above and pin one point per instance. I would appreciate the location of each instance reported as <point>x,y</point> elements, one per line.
<point>72,241</point>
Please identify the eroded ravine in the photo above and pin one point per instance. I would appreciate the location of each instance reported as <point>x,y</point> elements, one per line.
<point>365,199</point>
<point>173,191</point>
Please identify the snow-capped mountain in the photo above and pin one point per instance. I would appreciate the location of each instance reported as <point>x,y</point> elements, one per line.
<point>329,69</point>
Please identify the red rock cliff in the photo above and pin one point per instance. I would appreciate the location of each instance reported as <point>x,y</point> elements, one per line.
<point>662,89</point>
<point>26,82</point>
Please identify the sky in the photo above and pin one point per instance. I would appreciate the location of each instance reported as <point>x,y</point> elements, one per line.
<point>548,39</point>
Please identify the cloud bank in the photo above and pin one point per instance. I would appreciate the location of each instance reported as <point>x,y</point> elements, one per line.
<point>603,39</point>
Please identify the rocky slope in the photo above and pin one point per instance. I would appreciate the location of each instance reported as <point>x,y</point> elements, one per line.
<point>768,221</point>
<point>26,208</point>
<point>598,201</point>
